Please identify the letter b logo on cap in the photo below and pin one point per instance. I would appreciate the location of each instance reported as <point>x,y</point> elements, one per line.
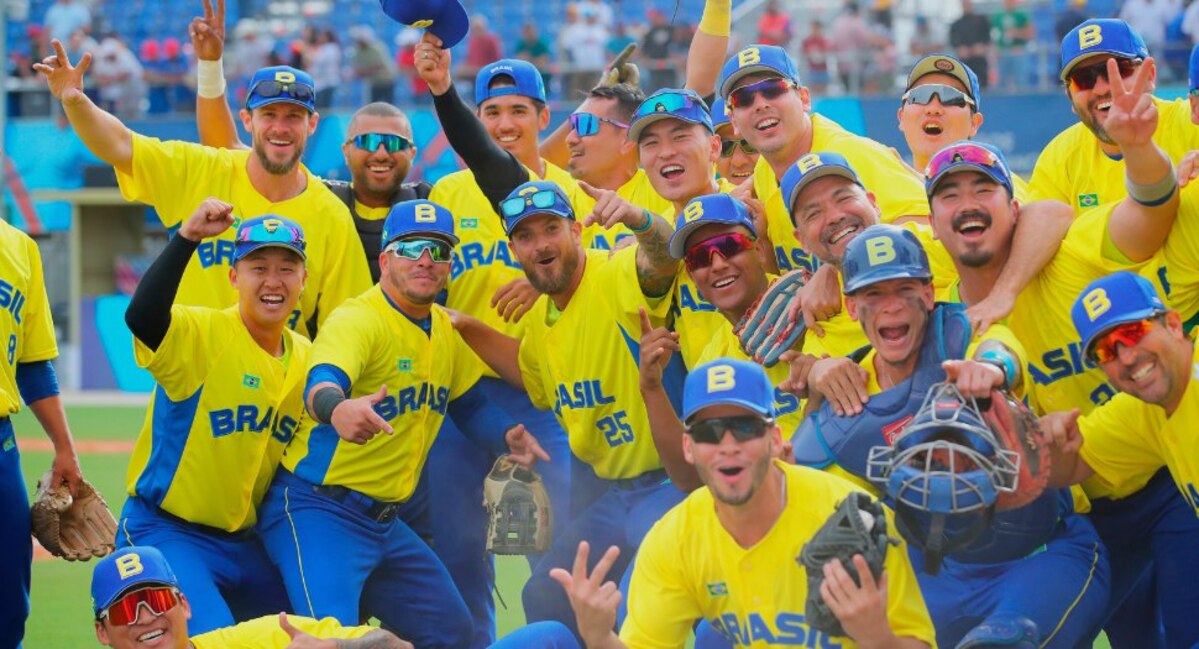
<point>1096,303</point>
<point>721,378</point>
<point>748,56</point>
<point>808,163</point>
<point>129,565</point>
<point>283,76</point>
<point>425,213</point>
<point>693,211</point>
<point>1090,36</point>
<point>880,250</point>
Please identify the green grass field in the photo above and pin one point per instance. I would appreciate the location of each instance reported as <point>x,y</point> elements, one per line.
<point>61,610</point>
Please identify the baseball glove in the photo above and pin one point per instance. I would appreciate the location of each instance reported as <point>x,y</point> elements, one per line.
<point>857,526</point>
<point>519,518</point>
<point>619,70</point>
<point>1017,429</point>
<point>75,529</point>
<point>771,326</point>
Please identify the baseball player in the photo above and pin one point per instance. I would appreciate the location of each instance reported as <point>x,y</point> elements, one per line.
<point>138,601</point>
<point>1139,344</point>
<point>1036,576</point>
<point>738,158</point>
<point>228,399</point>
<point>727,554</point>
<point>384,373</point>
<point>579,358</point>
<point>176,176</point>
<point>28,332</point>
<point>378,148</point>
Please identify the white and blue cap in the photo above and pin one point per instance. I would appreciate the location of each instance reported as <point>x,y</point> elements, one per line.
<point>670,103</point>
<point>728,381</point>
<point>525,77</point>
<point>811,166</point>
<point>1101,36</point>
<point>446,19</point>
<point>126,570</point>
<point>531,198</point>
<point>419,217</point>
<point>718,208</point>
<point>268,231</point>
<point>948,65</point>
<point>1113,300</point>
<point>753,59</point>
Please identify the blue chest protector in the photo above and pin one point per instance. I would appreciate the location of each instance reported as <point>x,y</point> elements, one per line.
<point>824,438</point>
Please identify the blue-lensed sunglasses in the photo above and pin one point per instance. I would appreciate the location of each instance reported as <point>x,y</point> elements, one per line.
<point>371,141</point>
<point>587,124</point>
<point>439,251</point>
<point>543,200</point>
<point>670,102</point>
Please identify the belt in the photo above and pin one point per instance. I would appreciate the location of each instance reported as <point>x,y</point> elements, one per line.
<point>647,479</point>
<point>376,510</point>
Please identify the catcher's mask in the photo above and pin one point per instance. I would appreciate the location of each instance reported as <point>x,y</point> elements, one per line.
<point>943,474</point>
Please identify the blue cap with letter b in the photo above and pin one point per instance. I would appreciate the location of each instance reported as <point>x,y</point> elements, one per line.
<point>670,103</point>
<point>753,59</point>
<point>127,569</point>
<point>1113,300</point>
<point>419,217</point>
<point>281,83</point>
<point>446,19</point>
<point>525,77</point>
<point>268,231</point>
<point>811,166</point>
<point>1101,36</point>
<point>967,155</point>
<point>534,197</point>
<point>880,253</point>
<point>728,381</point>
<point>705,210</point>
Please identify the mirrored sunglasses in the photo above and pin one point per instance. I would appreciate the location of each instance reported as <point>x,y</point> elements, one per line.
<point>947,95</point>
<point>588,124</point>
<point>1128,334</point>
<point>439,251</point>
<point>963,153</point>
<point>1085,78</point>
<point>727,245</point>
<point>124,611</point>
<point>371,141</point>
<point>772,88</point>
<point>542,200</point>
<point>670,102</point>
<point>271,231</point>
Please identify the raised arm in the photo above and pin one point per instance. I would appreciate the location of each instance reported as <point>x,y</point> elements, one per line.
<point>213,115</point>
<point>657,346</point>
<point>706,55</point>
<point>656,269</point>
<point>101,132</point>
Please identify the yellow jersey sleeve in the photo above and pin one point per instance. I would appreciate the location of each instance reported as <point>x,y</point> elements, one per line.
<point>1120,442</point>
<point>1175,269</point>
<point>265,633</point>
<point>181,362</point>
<point>39,343</point>
<point>163,175</point>
<point>26,328</point>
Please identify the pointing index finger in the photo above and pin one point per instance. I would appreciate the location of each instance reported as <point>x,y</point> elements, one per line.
<point>646,325</point>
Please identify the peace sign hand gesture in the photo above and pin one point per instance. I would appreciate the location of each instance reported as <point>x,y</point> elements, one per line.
<point>1132,119</point>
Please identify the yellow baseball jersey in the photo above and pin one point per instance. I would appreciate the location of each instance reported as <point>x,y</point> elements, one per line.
<point>1127,440</point>
<point>26,329</point>
<point>482,261</point>
<point>1074,169</point>
<point>375,344</point>
<point>694,317</point>
<point>175,177</point>
<point>899,191</point>
<point>788,407</point>
<point>221,414</point>
<point>636,190</point>
<point>689,567</point>
<point>265,633</point>
<point>1174,270</point>
<point>583,365</point>
<point>1020,186</point>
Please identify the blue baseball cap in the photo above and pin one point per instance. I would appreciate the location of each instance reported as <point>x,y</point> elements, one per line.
<point>952,66</point>
<point>281,83</point>
<point>446,19</point>
<point>719,113</point>
<point>1101,36</point>
<point>526,77</point>
<point>728,381</point>
<point>534,197</point>
<point>670,103</point>
<point>419,217</point>
<point>268,231</point>
<point>1113,300</point>
<point>126,570</point>
<point>862,266</point>
<point>811,166</point>
<point>705,210</point>
<point>967,155</point>
<point>1194,71</point>
<point>753,59</point>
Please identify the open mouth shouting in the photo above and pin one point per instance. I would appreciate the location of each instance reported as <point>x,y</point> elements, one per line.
<point>671,171</point>
<point>932,127</point>
<point>972,225</point>
<point>894,336</point>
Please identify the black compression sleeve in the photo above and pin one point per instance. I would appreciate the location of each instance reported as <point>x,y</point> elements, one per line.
<point>496,171</point>
<point>149,312</point>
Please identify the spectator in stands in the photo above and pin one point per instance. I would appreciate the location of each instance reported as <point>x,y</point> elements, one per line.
<point>64,17</point>
<point>412,87</point>
<point>1190,22</point>
<point>774,27</point>
<point>815,49</point>
<point>482,47</point>
<point>371,63</point>
<point>586,43</point>
<point>1013,32</point>
<point>120,78</point>
<point>619,40</point>
<point>656,47</point>
<point>924,41</point>
<point>533,47</point>
<point>324,64</point>
<point>38,48</point>
<point>1074,15</point>
<point>251,51</point>
<point>1149,18</point>
<point>855,44</point>
<point>601,10</point>
<point>882,15</point>
<point>970,38</point>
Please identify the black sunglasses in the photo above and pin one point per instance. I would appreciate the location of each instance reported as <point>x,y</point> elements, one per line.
<point>744,428</point>
<point>727,146</point>
<point>269,88</point>
<point>1086,78</point>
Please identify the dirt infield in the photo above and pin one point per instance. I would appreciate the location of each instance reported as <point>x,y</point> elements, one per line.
<point>81,445</point>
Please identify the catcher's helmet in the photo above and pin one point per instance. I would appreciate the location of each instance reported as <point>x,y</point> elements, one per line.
<point>880,253</point>
<point>944,473</point>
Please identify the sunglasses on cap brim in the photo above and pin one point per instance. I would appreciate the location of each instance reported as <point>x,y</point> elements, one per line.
<point>280,234</point>
<point>269,89</point>
<point>963,154</point>
<point>670,102</point>
<point>542,199</point>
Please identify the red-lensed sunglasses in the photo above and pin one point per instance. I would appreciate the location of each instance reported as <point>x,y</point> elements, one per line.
<point>727,245</point>
<point>769,89</point>
<point>1085,78</point>
<point>124,611</point>
<point>1128,334</point>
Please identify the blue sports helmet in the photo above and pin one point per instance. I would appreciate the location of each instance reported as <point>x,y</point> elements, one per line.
<point>883,252</point>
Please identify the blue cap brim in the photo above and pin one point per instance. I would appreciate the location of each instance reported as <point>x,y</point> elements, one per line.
<point>640,125</point>
<point>816,174</point>
<point>242,250</point>
<point>452,239</point>
<point>728,401</point>
<point>511,223</point>
<point>258,102</point>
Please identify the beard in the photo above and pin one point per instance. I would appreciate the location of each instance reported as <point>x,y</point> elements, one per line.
<point>378,189</point>
<point>550,282</point>
<point>276,168</point>
<point>757,471</point>
<point>1087,117</point>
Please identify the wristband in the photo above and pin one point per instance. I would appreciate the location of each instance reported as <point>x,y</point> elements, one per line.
<point>1003,360</point>
<point>210,78</point>
<point>1155,194</point>
<point>717,18</point>
<point>324,401</point>
<point>649,223</point>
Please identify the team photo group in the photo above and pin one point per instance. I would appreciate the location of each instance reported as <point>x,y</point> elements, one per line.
<point>724,372</point>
